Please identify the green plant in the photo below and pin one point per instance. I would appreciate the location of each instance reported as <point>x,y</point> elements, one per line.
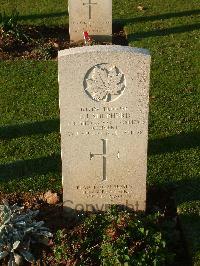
<point>133,239</point>
<point>9,27</point>
<point>8,23</point>
<point>60,250</point>
<point>117,237</point>
<point>18,230</point>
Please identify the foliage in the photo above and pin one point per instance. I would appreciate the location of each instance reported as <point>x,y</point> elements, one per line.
<point>118,237</point>
<point>9,27</point>
<point>19,229</point>
<point>60,249</point>
<point>8,23</point>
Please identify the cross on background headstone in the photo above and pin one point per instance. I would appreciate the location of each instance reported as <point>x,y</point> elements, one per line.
<point>93,16</point>
<point>90,7</point>
<point>104,156</point>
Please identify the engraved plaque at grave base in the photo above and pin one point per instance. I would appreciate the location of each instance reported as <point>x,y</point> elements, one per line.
<point>104,94</point>
<point>93,16</point>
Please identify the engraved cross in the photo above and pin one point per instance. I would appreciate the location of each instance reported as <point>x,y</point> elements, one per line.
<point>90,7</point>
<point>104,156</point>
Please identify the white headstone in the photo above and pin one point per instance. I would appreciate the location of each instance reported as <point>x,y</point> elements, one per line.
<point>93,16</point>
<point>104,94</point>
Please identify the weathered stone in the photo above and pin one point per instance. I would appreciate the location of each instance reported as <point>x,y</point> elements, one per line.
<point>93,16</point>
<point>104,94</point>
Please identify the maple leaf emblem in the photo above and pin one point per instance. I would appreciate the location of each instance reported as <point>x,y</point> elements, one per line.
<point>104,83</point>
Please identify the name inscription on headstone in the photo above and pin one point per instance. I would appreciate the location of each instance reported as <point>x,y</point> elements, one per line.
<point>104,121</point>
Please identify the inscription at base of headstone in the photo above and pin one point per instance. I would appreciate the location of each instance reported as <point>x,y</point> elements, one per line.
<point>93,16</point>
<point>104,96</point>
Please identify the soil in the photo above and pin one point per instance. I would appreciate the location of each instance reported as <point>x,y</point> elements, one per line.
<point>52,214</point>
<point>41,42</point>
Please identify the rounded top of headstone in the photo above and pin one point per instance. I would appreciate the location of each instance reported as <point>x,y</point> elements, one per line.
<point>104,48</point>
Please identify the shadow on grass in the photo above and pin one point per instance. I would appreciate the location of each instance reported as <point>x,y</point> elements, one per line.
<point>31,167</point>
<point>188,200</point>
<point>158,17</point>
<point>157,146</point>
<point>166,199</point>
<point>52,163</point>
<point>163,32</point>
<point>28,129</point>
<point>41,16</point>
<point>188,190</point>
<point>190,222</point>
<point>174,143</point>
<point>121,21</point>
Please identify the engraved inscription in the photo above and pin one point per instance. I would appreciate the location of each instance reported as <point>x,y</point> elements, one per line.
<point>104,156</point>
<point>106,191</point>
<point>93,27</point>
<point>104,82</point>
<point>106,121</point>
<point>89,4</point>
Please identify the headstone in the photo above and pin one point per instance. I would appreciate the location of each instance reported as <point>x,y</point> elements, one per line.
<point>104,94</point>
<point>93,16</point>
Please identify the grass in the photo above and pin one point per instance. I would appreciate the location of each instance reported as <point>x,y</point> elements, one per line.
<point>38,12</point>
<point>29,125</point>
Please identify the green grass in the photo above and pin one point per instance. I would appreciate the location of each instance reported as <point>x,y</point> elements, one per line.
<point>38,12</point>
<point>29,125</point>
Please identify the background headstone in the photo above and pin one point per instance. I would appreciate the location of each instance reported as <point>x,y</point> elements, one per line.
<point>104,94</point>
<point>93,16</point>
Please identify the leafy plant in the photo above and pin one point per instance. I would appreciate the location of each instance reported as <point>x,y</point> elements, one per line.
<point>19,229</point>
<point>8,23</point>
<point>117,237</point>
<point>10,29</point>
<point>60,250</point>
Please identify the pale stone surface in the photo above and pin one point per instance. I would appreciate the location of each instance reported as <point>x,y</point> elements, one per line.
<point>104,94</point>
<point>93,16</point>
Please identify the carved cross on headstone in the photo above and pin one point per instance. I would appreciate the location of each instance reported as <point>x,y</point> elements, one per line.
<point>104,156</point>
<point>90,7</point>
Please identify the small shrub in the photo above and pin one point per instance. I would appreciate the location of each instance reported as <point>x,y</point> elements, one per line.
<point>10,30</point>
<point>9,23</point>
<point>19,229</point>
<point>118,237</point>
